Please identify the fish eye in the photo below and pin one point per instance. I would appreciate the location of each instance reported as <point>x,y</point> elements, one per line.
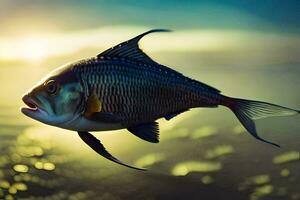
<point>52,87</point>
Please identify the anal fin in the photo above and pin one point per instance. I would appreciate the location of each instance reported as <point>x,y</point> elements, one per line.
<point>147,131</point>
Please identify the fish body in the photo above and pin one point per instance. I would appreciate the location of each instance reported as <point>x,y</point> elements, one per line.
<point>124,88</point>
<point>134,92</point>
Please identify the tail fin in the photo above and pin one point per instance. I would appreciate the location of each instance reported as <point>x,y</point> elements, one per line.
<point>247,111</point>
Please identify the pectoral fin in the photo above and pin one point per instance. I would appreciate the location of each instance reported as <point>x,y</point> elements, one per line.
<point>97,146</point>
<point>148,131</point>
<point>93,105</point>
<point>94,111</point>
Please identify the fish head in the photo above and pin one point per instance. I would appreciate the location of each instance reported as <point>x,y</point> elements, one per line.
<point>56,99</point>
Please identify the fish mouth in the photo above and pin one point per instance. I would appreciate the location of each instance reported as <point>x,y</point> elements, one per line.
<point>32,105</point>
<point>32,108</point>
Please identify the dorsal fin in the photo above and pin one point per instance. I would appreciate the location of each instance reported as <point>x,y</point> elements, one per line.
<point>130,49</point>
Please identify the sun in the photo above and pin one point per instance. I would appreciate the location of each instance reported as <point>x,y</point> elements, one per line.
<point>34,49</point>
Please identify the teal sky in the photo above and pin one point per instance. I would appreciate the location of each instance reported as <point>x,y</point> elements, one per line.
<point>267,15</point>
<point>41,29</point>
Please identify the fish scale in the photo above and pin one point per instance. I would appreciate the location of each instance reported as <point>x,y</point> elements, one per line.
<point>137,93</point>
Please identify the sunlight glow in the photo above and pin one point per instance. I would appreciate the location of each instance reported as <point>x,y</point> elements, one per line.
<point>37,47</point>
<point>34,49</point>
<point>28,48</point>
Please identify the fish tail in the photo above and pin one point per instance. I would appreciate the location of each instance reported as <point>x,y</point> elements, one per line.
<point>247,111</point>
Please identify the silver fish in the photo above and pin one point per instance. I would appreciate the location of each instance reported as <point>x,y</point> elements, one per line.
<point>123,88</point>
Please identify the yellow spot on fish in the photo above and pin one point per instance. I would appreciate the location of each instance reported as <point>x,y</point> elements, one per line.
<point>286,157</point>
<point>93,105</point>
<point>184,168</point>
<point>21,168</point>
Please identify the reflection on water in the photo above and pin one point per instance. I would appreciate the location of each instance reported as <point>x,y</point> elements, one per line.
<point>149,160</point>
<point>285,172</point>
<point>21,168</point>
<point>184,168</point>
<point>46,166</point>
<point>203,132</point>
<point>178,133</point>
<point>35,165</point>
<point>207,179</point>
<point>218,151</point>
<point>260,179</point>
<point>254,181</point>
<point>286,157</point>
<point>262,191</point>
<point>28,171</point>
<point>239,129</point>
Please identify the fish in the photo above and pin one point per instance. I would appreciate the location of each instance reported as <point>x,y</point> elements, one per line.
<point>124,88</point>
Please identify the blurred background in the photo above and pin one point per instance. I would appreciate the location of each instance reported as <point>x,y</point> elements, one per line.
<point>247,49</point>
